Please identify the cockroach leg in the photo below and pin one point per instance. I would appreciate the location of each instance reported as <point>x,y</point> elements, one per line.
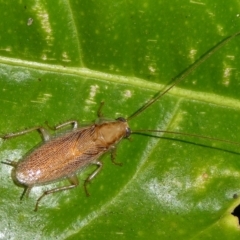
<point>10,163</point>
<point>113,157</point>
<point>26,192</point>
<point>93,175</point>
<point>43,131</point>
<point>73,122</point>
<point>99,112</point>
<point>74,183</point>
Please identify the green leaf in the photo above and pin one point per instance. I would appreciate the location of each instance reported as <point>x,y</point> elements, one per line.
<point>59,60</point>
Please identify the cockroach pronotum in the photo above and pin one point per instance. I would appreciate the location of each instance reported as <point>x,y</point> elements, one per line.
<point>65,155</point>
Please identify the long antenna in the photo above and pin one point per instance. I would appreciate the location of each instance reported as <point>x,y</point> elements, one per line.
<point>186,134</point>
<point>185,74</point>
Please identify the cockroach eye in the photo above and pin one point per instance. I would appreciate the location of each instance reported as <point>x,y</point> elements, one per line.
<point>128,132</point>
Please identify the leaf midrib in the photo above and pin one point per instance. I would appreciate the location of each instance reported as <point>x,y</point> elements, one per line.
<point>209,98</point>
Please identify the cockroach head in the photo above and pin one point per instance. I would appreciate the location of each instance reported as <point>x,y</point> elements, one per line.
<point>128,130</point>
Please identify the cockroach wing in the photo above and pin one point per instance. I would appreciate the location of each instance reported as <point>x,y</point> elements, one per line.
<point>60,157</point>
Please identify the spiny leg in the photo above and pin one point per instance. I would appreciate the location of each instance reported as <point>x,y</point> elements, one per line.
<point>113,156</point>
<point>73,122</point>
<point>99,112</point>
<point>93,175</point>
<point>99,168</point>
<point>26,192</point>
<point>74,183</point>
<point>10,163</point>
<point>43,131</point>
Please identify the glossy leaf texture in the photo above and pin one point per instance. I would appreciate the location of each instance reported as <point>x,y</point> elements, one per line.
<point>59,60</point>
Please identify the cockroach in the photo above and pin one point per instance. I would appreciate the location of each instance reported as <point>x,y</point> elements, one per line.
<point>65,155</point>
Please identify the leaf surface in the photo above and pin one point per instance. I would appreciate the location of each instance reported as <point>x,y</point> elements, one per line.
<point>59,60</point>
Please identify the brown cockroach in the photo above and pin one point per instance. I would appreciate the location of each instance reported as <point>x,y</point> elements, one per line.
<point>65,155</point>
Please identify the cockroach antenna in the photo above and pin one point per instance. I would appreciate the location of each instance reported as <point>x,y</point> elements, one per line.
<point>184,74</point>
<point>141,131</point>
<point>177,80</point>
